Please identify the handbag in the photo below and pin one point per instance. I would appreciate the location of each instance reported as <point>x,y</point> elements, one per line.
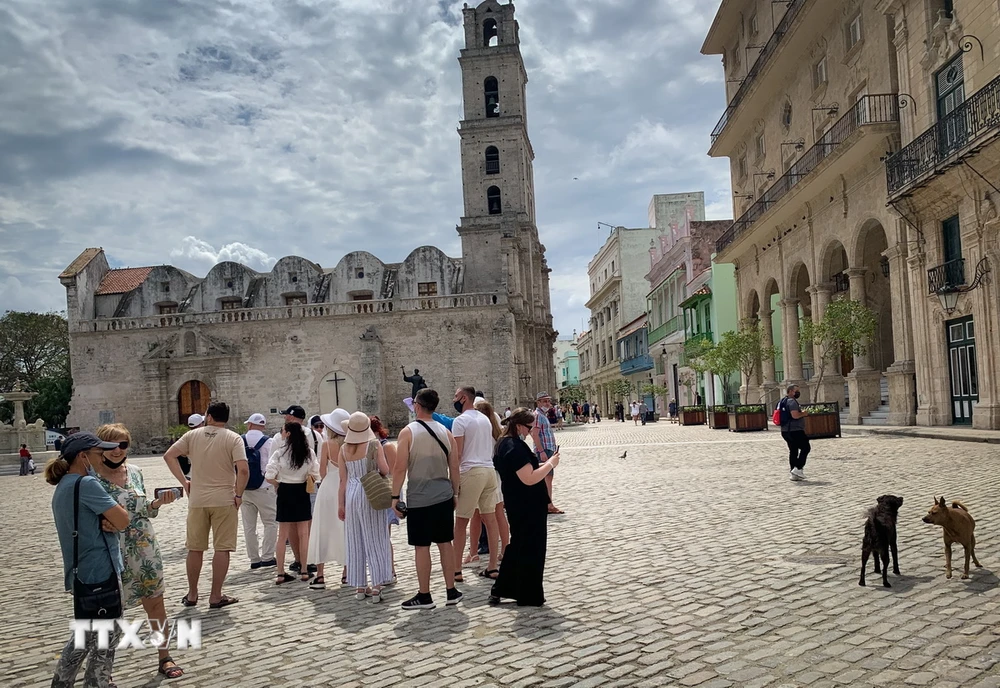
<point>93,600</point>
<point>310,484</point>
<point>377,489</point>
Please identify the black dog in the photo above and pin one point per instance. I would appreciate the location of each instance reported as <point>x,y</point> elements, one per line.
<point>880,536</point>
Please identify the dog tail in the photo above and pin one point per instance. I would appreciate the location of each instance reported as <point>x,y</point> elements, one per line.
<point>959,505</point>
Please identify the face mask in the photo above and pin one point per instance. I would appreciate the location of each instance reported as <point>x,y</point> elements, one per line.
<point>459,406</point>
<point>797,394</point>
<point>113,465</point>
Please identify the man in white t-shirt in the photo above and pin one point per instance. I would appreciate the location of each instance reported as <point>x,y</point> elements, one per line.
<point>478,484</point>
<point>261,501</point>
<point>297,414</point>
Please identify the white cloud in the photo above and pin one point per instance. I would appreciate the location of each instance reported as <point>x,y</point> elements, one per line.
<point>253,130</point>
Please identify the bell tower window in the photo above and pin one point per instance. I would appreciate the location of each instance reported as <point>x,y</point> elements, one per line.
<point>492,160</point>
<point>492,92</point>
<point>491,37</point>
<point>493,200</point>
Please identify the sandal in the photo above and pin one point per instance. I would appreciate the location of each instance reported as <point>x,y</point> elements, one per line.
<point>284,578</point>
<point>489,573</point>
<point>170,672</point>
<point>224,602</point>
<point>459,578</point>
<point>318,583</point>
<point>471,559</point>
<point>189,603</point>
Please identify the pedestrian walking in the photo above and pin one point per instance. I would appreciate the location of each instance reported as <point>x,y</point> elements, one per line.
<point>326,535</point>
<point>643,410</point>
<point>260,499</point>
<point>215,492</point>
<point>672,409</point>
<point>545,442</point>
<point>369,563</point>
<point>522,476</point>
<point>91,555</point>
<point>290,469</point>
<point>793,431</point>
<point>142,573</point>
<point>634,412</point>
<point>427,458</point>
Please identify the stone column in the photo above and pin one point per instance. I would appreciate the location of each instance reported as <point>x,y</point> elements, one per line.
<point>902,373</point>
<point>863,383</point>
<point>370,389</point>
<point>790,343</point>
<point>832,386</point>
<point>769,385</point>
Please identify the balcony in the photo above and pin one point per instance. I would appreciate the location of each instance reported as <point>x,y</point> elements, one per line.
<point>867,112</point>
<point>636,364</point>
<point>947,277</point>
<point>794,6</point>
<point>942,145</point>
<point>666,329</point>
<point>492,167</point>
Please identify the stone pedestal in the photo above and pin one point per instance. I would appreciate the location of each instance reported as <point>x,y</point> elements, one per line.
<point>372,374</point>
<point>865,389</point>
<point>831,389</point>
<point>986,416</point>
<point>902,393</point>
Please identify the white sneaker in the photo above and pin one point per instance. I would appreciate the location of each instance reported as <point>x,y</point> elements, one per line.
<point>797,472</point>
<point>792,476</point>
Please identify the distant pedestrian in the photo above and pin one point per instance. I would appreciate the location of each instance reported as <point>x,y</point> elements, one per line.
<point>634,412</point>
<point>597,413</point>
<point>215,494</point>
<point>672,409</point>
<point>427,458</point>
<point>793,431</point>
<point>586,411</point>
<point>643,410</point>
<point>25,459</point>
<point>522,474</point>
<point>545,443</point>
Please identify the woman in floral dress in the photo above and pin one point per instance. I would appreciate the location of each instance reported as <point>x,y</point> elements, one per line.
<point>142,576</point>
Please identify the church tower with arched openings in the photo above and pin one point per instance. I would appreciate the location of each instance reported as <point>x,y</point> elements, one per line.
<point>500,245</point>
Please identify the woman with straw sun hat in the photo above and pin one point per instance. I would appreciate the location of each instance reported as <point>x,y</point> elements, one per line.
<point>369,564</point>
<point>326,537</point>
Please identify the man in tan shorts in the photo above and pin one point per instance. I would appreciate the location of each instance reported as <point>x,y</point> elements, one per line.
<point>478,485</point>
<point>216,492</point>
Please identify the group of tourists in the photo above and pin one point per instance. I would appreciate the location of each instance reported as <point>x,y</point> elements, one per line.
<point>330,489</point>
<point>585,412</point>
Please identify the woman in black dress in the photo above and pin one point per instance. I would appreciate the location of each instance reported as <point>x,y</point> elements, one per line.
<point>522,480</point>
<point>289,469</point>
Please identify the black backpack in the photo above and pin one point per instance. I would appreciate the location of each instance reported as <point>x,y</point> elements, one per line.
<point>253,459</point>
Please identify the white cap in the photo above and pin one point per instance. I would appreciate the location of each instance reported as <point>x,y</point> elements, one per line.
<point>477,400</point>
<point>256,419</point>
<point>195,419</point>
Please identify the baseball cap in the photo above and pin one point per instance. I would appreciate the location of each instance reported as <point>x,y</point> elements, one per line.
<point>315,420</point>
<point>295,411</point>
<point>82,441</point>
<point>195,419</point>
<point>256,419</point>
<point>542,395</point>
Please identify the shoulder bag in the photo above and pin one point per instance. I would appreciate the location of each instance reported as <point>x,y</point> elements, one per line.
<point>377,488</point>
<point>430,432</point>
<point>93,600</point>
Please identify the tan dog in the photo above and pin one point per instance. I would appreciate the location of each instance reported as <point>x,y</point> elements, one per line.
<point>958,527</point>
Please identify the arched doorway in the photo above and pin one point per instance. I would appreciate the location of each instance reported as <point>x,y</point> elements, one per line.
<point>337,390</point>
<point>193,397</point>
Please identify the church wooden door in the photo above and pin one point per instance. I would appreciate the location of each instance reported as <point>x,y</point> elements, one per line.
<point>337,390</point>
<point>193,397</point>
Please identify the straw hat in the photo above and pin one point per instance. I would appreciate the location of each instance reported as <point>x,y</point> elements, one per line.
<point>335,420</point>
<point>358,428</point>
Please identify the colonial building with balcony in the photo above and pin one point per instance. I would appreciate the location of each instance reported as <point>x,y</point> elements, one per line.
<point>567,363</point>
<point>680,262</point>
<point>943,182</point>
<point>636,364</point>
<point>617,296</point>
<point>813,110</point>
<point>709,312</point>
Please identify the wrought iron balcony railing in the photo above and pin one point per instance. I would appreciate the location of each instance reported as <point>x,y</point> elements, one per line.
<point>947,277</point>
<point>636,364</point>
<point>666,329</point>
<point>794,6</point>
<point>874,109</point>
<point>937,147</point>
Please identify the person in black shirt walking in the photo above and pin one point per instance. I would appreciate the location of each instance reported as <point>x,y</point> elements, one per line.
<point>793,431</point>
<point>522,480</point>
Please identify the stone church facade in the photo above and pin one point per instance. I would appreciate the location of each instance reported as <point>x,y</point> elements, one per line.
<point>150,345</point>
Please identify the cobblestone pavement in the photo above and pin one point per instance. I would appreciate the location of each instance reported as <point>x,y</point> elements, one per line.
<point>693,562</point>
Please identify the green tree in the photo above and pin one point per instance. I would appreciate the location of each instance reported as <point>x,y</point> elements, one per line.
<point>847,327</point>
<point>721,360</point>
<point>34,349</point>
<point>687,380</point>
<point>621,389</point>
<point>573,393</point>
<point>747,349</point>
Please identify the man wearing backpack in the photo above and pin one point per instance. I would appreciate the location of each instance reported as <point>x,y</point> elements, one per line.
<point>260,498</point>
<point>793,431</point>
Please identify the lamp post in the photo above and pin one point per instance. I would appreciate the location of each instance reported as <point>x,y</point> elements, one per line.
<point>948,295</point>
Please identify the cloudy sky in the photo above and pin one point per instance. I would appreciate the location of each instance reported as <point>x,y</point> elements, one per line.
<point>192,131</point>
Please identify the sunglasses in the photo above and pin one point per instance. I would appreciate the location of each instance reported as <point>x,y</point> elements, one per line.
<point>123,444</point>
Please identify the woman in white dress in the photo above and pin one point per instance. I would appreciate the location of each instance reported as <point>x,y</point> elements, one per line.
<point>326,537</point>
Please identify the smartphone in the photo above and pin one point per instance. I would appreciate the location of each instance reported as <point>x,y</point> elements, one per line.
<point>178,492</point>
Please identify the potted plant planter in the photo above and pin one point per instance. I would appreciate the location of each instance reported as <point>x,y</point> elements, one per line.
<point>747,417</point>
<point>823,420</point>
<point>692,415</point>
<point>718,417</point>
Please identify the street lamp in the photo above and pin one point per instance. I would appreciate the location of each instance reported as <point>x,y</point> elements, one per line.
<point>948,295</point>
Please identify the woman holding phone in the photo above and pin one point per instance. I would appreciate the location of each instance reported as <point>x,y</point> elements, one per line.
<point>142,575</point>
<point>522,479</point>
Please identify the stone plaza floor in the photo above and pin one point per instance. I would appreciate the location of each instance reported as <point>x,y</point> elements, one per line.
<point>692,562</point>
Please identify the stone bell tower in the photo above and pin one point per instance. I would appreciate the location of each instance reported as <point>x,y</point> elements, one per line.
<point>500,246</point>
